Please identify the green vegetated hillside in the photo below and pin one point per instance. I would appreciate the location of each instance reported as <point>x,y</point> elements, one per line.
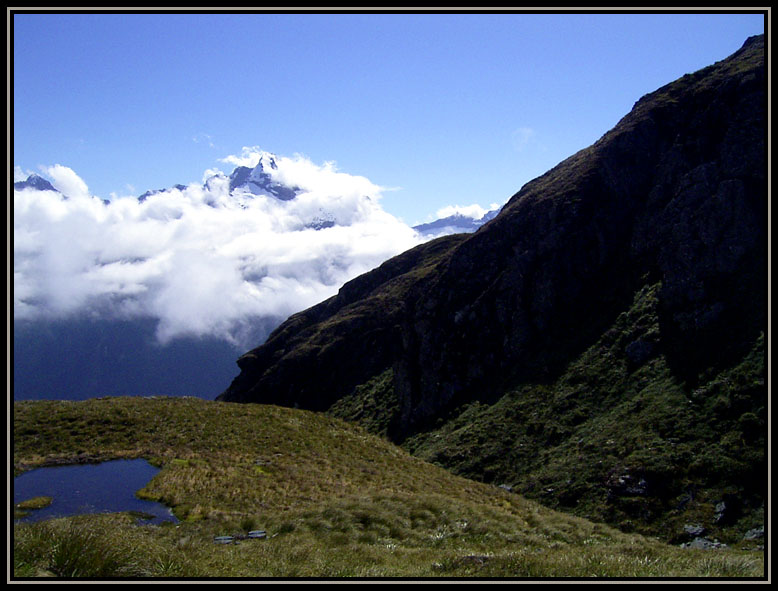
<point>334,501</point>
<point>617,437</point>
<point>598,346</point>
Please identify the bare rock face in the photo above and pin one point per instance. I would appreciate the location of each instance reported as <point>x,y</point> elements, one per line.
<point>675,193</point>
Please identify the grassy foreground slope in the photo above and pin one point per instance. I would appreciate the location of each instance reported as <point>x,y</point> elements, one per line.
<point>335,502</point>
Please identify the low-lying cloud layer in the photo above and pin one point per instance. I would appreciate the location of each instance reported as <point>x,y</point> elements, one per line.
<point>199,260</point>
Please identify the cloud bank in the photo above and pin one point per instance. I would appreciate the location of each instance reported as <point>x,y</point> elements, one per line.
<point>199,260</point>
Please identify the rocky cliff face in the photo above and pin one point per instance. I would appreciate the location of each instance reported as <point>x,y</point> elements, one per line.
<point>675,193</point>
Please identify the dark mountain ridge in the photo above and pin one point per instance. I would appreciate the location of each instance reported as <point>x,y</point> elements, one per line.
<point>674,192</point>
<point>672,200</point>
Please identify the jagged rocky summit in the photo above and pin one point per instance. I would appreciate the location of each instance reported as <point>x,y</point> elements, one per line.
<point>259,180</point>
<point>256,180</point>
<point>598,345</point>
<point>35,182</point>
<point>38,183</point>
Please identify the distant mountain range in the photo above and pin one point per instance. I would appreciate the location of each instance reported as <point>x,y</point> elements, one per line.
<point>598,345</point>
<point>454,224</point>
<point>106,356</point>
<point>245,180</point>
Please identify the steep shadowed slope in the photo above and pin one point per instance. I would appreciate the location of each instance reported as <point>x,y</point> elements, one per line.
<point>672,200</point>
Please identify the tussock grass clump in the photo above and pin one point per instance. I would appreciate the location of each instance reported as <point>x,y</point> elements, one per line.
<point>74,548</point>
<point>354,539</point>
<point>615,561</point>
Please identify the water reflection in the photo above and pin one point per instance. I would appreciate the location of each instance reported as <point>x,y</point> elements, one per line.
<point>90,488</point>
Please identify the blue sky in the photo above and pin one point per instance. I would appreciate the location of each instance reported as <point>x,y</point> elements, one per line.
<point>444,109</point>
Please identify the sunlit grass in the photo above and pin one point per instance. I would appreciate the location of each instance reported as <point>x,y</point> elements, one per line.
<point>334,501</point>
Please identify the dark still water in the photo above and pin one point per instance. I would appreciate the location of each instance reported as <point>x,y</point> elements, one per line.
<point>90,488</point>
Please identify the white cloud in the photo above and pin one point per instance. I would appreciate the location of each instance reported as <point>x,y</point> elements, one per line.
<point>200,261</point>
<point>21,175</point>
<point>521,138</point>
<point>249,156</point>
<point>211,172</point>
<point>67,181</point>
<point>204,138</point>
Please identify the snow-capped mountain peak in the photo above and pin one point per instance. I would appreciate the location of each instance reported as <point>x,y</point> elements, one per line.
<point>259,180</point>
<point>456,223</point>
